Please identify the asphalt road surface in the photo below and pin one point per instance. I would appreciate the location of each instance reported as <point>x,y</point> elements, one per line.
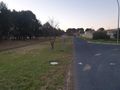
<point>96,67</point>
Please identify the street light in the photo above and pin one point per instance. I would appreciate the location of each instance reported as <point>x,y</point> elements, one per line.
<point>118,21</point>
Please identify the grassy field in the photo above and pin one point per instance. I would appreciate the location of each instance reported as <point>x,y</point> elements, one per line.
<point>28,68</point>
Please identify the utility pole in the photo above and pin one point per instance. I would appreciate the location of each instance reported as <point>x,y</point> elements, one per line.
<point>118,21</point>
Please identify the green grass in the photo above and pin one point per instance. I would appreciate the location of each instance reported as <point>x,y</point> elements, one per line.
<point>113,41</point>
<point>102,41</point>
<point>30,69</point>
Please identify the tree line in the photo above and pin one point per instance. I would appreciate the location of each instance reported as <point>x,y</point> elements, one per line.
<point>101,33</point>
<point>22,25</point>
<point>71,31</point>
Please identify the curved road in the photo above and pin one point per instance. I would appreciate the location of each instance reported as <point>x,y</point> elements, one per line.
<point>96,67</point>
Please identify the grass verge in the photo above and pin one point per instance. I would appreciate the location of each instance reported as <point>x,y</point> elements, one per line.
<point>28,68</point>
<point>101,41</point>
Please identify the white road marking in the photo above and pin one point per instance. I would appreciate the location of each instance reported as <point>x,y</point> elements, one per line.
<point>80,63</point>
<point>87,67</point>
<point>112,64</point>
<point>98,54</point>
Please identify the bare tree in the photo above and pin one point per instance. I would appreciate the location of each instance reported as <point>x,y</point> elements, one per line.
<point>53,23</point>
<point>52,38</point>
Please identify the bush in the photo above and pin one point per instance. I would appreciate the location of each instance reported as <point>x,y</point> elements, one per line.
<point>100,35</point>
<point>115,35</point>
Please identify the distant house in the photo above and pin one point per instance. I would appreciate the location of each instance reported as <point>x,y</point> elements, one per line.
<point>89,33</point>
<point>111,33</point>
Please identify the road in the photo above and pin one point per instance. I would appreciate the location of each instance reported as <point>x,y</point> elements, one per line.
<point>96,67</point>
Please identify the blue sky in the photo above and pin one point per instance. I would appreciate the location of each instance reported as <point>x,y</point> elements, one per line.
<point>71,13</point>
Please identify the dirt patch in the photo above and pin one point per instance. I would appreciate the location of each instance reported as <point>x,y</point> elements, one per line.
<point>23,47</point>
<point>29,49</point>
<point>9,44</point>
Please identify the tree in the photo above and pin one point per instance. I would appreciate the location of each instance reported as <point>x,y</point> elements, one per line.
<point>89,30</point>
<point>71,31</point>
<point>37,29</point>
<point>4,21</point>
<point>80,30</point>
<point>3,6</point>
<point>22,25</point>
<point>25,25</point>
<point>100,35</point>
<point>101,29</point>
<point>49,30</point>
<point>53,31</point>
<point>115,35</point>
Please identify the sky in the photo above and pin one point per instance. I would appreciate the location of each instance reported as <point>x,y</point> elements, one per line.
<point>71,13</point>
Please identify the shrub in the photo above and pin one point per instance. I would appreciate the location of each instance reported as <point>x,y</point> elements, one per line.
<point>100,35</point>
